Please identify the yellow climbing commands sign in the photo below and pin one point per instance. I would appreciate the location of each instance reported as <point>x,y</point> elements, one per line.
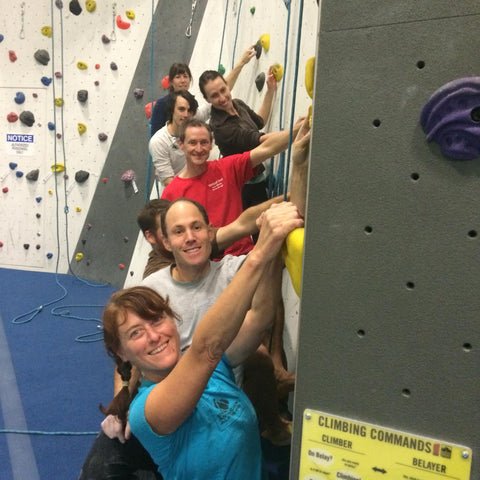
<point>337,448</point>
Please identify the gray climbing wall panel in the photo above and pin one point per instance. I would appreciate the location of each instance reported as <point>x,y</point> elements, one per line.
<point>389,331</point>
<point>110,232</point>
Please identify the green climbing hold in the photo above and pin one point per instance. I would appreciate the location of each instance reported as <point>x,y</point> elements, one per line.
<point>221,69</point>
<point>252,10</point>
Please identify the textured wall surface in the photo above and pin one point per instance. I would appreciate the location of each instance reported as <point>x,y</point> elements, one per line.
<point>389,328</point>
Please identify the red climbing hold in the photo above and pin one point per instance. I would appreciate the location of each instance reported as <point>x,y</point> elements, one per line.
<point>12,117</point>
<point>5,189</point>
<point>104,180</point>
<point>165,82</point>
<point>122,24</point>
<point>121,265</point>
<point>12,56</point>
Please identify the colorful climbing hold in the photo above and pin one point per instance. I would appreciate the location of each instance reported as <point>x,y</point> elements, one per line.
<point>47,31</point>
<point>12,117</point>
<point>59,135</point>
<point>5,189</point>
<point>121,265</point>
<point>82,65</point>
<point>89,226</point>
<point>82,128</point>
<point>260,81</point>
<point>1,38</point>
<point>102,136</point>
<point>91,5</point>
<point>27,118</point>
<point>265,41</point>
<point>130,14</point>
<point>221,69</point>
<point>82,96</point>
<point>1,244</point>
<point>59,3</point>
<point>81,176</point>
<point>38,199</point>
<point>32,175</point>
<point>138,92</point>
<point>13,165</point>
<point>58,75</point>
<point>113,66</point>
<point>104,180</point>
<point>121,24</point>
<point>97,66</point>
<point>49,255</point>
<point>78,209</point>
<point>75,7</point>
<point>12,56</point>
<point>309,75</point>
<point>19,98</point>
<point>277,71</point>
<point>96,83</point>
<point>78,256</point>
<point>19,174</point>
<point>42,56</point>
<point>59,102</point>
<point>50,192</point>
<point>51,126</point>
<point>105,39</point>
<point>46,81</point>
<point>58,167</point>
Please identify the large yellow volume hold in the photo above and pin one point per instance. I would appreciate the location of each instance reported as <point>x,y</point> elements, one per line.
<point>292,252</point>
<point>309,75</point>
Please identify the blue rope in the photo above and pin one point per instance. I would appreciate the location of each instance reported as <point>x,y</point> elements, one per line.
<point>292,116</point>
<point>39,432</point>
<point>236,35</point>
<point>223,34</point>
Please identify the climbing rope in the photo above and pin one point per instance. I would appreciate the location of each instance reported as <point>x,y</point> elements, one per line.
<point>223,34</point>
<point>236,34</point>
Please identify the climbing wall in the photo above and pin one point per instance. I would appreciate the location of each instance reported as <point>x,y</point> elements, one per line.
<point>389,330</point>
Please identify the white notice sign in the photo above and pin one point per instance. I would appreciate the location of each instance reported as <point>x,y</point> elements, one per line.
<point>20,144</point>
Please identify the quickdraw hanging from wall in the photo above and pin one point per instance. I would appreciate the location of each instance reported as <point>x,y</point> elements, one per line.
<point>188,31</point>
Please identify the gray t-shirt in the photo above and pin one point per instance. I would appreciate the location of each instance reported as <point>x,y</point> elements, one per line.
<point>191,300</point>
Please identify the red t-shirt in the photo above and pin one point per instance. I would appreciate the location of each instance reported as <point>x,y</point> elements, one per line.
<point>219,190</point>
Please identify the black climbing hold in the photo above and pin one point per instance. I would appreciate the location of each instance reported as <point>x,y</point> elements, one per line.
<point>260,81</point>
<point>102,136</point>
<point>258,49</point>
<point>32,175</point>
<point>27,118</point>
<point>81,176</point>
<point>38,215</point>
<point>26,246</point>
<point>82,96</point>
<point>105,39</point>
<point>42,56</point>
<point>75,7</point>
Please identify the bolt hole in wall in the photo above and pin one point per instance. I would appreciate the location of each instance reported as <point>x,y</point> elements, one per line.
<point>467,347</point>
<point>415,176</point>
<point>361,332</point>
<point>420,64</point>
<point>472,233</point>
<point>410,285</point>
<point>368,229</point>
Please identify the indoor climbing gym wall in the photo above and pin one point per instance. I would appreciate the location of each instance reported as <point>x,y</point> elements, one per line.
<point>388,356</point>
<point>78,79</point>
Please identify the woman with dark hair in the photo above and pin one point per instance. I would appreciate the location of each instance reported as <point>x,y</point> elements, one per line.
<point>180,78</point>
<point>188,413</point>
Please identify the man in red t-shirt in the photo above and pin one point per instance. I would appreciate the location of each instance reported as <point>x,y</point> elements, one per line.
<point>217,184</point>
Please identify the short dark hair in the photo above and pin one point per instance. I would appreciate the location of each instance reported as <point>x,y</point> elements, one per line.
<point>200,207</point>
<point>208,76</point>
<point>172,100</point>
<point>147,217</point>
<point>178,69</point>
<point>194,122</point>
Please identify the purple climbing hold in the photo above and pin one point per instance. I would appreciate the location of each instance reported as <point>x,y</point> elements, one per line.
<point>19,98</point>
<point>46,81</point>
<point>451,118</point>
<point>138,92</point>
<point>89,226</point>
<point>13,165</point>
<point>58,75</point>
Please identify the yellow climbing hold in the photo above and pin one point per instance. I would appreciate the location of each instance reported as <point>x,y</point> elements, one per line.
<point>91,5</point>
<point>57,168</point>
<point>78,256</point>
<point>82,65</point>
<point>59,102</point>
<point>292,253</point>
<point>310,116</point>
<point>78,209</point>
<point>265,41</point>
<point>82,128</point>
<point>47,31</point>
<point>130,14</point>
<point>277,71</point>
<point>309,75</point>
<point>50,192</point>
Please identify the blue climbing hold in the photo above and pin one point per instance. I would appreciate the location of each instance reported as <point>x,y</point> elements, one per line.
<point>38,199</point>
<point>46,81</point>
<point>1,38</point>
<point>49,255</point>
<point>19,174</point>
<point>51,126</point>
<point>19,98</point>
<point>13,165</point>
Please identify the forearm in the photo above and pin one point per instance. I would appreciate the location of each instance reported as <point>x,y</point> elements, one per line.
<point>244,225</point>
<point>298,186</point>
<point>232,77</point>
